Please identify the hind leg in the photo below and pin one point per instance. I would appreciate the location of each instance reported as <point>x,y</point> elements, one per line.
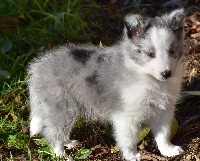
<point>57,131</point>
<point>68,128</point>
<point>54,132</point>
<point>55,136</point>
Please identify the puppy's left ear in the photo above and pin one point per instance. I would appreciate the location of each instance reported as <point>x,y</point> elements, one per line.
<point>175,19</point>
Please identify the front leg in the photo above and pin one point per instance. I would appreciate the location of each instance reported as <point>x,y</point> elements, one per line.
<point>161,127</point>
<point>126,133</point>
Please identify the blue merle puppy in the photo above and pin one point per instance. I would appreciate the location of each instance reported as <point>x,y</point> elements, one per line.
<point>136,81</point>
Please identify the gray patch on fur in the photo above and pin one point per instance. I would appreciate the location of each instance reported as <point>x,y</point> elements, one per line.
<point>93,82</point>
<point>101,58</point>
<point>93,79</point>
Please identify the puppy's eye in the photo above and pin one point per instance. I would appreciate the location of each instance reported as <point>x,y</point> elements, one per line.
<point>172,50</point>
<point>151,54</point>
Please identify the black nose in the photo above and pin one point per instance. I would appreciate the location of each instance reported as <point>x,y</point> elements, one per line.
<point>166,74</point>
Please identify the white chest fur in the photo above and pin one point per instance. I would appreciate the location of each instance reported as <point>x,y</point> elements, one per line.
<point>146,97</point>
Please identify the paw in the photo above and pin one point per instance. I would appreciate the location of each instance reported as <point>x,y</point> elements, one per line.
<point>172,151</point>
<point>71,144</point>
<point>136,158</point>
<point>59,152</point>
<point>132,157</point>
<point>68,158</point>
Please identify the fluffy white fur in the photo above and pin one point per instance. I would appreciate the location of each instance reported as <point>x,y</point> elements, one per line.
<point>121,84</point>
<point>35,126</point>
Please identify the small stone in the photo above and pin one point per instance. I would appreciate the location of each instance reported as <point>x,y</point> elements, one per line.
<point>197,157</point>
<point>189,157</point>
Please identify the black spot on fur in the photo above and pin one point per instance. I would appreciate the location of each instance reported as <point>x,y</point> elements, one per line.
<point>176,23</point>
<point>93,79</point>
<point>149,25</point>
<point>101,58</point>
<point>93,82</point>
<point>129,31</point>
<point>158,22</point>
<point>138,50</point>
<point>81,55</point>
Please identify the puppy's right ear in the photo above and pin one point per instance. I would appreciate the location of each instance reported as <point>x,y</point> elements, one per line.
<point>175,19</point>
<point>136,25</point>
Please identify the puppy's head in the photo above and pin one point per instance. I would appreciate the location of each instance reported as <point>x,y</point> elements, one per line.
<point>155,44</point>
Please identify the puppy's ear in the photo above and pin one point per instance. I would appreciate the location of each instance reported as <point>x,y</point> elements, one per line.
<point>136,25</point>
<point>175,19</point>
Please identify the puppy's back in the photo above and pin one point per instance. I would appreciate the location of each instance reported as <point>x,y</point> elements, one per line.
<point>80,76</point>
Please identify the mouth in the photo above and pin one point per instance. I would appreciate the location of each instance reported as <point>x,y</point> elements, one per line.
<point>160,78</point>
<point>157,76</point>
<point>164,76</point>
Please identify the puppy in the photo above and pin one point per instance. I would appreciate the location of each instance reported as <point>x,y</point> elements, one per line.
<point>136,81</point>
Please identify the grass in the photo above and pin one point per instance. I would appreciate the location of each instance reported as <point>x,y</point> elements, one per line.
<point>28,27</point>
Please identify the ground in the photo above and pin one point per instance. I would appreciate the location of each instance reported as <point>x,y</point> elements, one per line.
<point>30,27</point>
